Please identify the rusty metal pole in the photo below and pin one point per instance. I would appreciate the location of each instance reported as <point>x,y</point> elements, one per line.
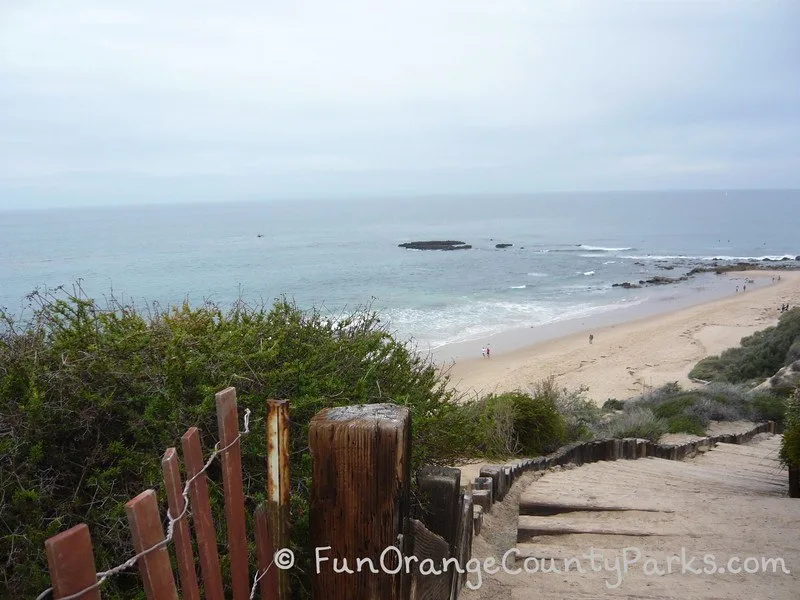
<point>278,482</point>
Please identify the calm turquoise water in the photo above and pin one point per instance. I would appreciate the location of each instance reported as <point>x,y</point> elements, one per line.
<point>568,251</point>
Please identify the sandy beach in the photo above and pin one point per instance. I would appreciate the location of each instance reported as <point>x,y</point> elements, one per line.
<point>626,359</point>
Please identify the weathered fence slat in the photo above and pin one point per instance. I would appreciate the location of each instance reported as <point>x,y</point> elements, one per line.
<point>440,488</point>
<point>464,547</point>
<point>359,499</point>
<point>201,516</point>
<point>182,537</point>
<point>278,482</point>
<point>428,545</point>
<point>228,422</point>
<point>144,521</point>
<point>268,584</point>
<point>71,563</point>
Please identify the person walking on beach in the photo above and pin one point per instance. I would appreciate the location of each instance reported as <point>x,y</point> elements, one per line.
<point>488,351</point>
<point>744,288</point>
<point>737,289</point>
<point>483,352</point>
<point>591,337</point>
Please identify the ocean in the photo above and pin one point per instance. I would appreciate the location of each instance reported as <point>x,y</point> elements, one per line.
<point>568,251</point>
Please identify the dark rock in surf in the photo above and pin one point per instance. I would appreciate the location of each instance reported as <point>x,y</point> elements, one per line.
<point>503,245</point>
<point>659,280</point>
<point>436,245</point>
<point>627,285</point>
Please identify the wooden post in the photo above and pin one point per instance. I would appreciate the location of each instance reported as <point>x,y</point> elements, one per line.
<point>478,517</point>
<point>359,499</point>
<point>441,489</point>
<point>794,482</point>
<point>278,482</point>
<point>71,563</point>
<point>268,584</point>
<point>493,472</point>
<point>182,537</point>
<point>145,525</point>
<point>201,516</point>
<point>228,424</point>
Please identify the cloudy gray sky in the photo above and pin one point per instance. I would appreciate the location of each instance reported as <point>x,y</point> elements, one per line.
<point>105,101</point>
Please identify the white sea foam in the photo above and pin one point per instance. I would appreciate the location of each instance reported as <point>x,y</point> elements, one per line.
<point>589,273</point>
<point>709,258</point>
<point>603,248</point>
<point>462,322</point>
<point>518,287</point>
<point>534,274</point>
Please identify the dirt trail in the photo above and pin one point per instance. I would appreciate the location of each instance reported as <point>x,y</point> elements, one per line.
<point>728,502</point>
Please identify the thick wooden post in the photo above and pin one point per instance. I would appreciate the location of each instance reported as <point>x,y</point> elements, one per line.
<point>183,541</point>
<point>278,482</point>
<point>359,500</point>
<point>145,525</point>
<point>71,563</point>
<point>228,424</point>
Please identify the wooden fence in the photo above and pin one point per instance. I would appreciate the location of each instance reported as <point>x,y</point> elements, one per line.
<point>364,528</point>
<point>71,561</point>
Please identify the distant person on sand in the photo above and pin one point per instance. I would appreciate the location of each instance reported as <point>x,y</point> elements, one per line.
<point>591,337</point>
<point>737,289</point>
<point>488,351</point>
<point>483,352</point>
<point>744,288</point>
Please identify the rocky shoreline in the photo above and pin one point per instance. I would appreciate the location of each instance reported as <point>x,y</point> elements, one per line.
<point>766,264</point>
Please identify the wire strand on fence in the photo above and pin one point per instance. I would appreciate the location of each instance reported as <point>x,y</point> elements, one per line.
<point>103,575</point>
<point>258,577</point>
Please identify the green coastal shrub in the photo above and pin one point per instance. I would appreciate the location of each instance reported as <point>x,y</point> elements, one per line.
<point>581,415</point>
<point>686,424</point>
<point>91,396</point>
<point>515,423</point>
<point>790,445</point>
<point>613,404</point>
<point>759,356</point>
<point>768,407</point>
<point>636,422</point>
<point>674,407</point>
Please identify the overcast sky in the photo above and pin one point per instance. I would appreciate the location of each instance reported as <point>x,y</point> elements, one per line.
<point>105,101</point>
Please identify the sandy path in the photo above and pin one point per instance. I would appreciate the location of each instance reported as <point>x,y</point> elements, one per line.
<point>729,502</point>
<point>626,359</point>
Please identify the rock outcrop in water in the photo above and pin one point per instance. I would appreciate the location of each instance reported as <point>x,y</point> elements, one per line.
<point>658,280</point>
<point>627,285</point>
<point>436,245</point>
<point>503,245</point>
